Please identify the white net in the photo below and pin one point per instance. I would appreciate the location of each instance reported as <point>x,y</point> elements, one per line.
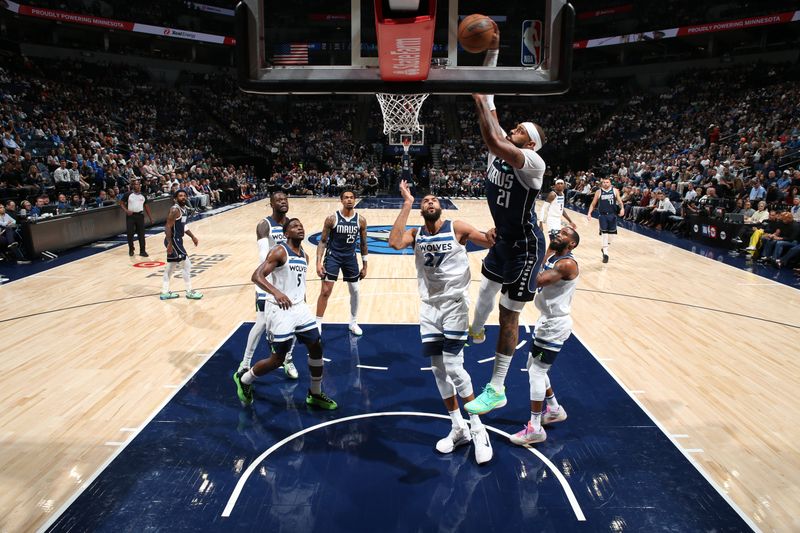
<point>400,111</point>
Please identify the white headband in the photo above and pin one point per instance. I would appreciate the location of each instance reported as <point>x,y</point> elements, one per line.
<point>533,134</point>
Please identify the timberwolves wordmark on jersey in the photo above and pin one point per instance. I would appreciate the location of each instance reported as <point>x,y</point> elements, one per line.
<point>442,264</point>
<point>290,277</point>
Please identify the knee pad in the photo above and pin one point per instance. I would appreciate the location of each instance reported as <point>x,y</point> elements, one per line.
<point>454,366</point>
<point>537,377</point>
<point>443,383</point>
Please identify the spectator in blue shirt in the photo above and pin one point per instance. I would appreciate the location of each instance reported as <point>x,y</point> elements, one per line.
<point>784,181</point>
<point>757,192</point>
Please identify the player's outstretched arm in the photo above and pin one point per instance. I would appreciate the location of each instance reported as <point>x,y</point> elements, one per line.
<point>465,231</point>
<point>493,135</point>
<point>400,237</point>
<point>275,258</point>
<point>323,244</point>
<point>565,269</point>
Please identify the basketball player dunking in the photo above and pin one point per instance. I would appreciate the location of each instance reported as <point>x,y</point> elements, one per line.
<point>269,233</point>
<point>553,209</point>
<point>337,251</point>
<point>513,179</point>
<point>443,276</point>
<point>609,205</point>
<point>556,287</point>
<point>283,277</point>
<point>175,228</point>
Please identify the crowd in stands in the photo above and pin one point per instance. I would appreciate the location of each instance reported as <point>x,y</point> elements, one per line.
<point>717,143</point>
<point>75,136</point>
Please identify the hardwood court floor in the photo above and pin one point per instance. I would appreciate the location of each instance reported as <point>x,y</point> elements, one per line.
<point>89,352</point>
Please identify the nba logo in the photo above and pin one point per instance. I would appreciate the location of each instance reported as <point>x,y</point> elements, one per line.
<point>531,43</point>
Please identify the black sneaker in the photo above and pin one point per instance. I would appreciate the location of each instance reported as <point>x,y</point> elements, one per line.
<point>144,254</point>
<point>321,400</point>
<point>243,390</point>
<point>605,257</point>
<point>131,252</point>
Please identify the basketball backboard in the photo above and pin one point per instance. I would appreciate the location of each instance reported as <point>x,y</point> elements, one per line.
<point>331,47</point>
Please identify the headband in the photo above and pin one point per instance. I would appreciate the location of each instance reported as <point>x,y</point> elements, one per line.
<point>533,134</point>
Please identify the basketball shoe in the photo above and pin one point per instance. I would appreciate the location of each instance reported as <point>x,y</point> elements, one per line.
<point>194,295</point>
<point>457,437</point>
<point>290,370</point>
<point>321,400</point>
<point>483,447</point>
<point>551,416</point>
<point>169,295</point>
<point>486,401</point>
<point>528,435</point>
<point>355,329</point>
<point>243,390</point>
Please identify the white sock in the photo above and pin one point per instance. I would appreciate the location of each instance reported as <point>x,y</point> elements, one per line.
<point>485,303</point>
<point>187,274</point>
<point>458,420</point>
<point>536,421</point>
<point>248,377</point>
<point>167,275</point>
<point>501,364</point>
<point>475,422</point>
<point>353,301</point>
<point>552,403</point>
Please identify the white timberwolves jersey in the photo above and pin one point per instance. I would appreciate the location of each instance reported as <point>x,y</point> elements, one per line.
<point>290,278</point>
<point>275,236</point>
<point>556,300</point>
<point>442,265</point>
<point>555,212</point>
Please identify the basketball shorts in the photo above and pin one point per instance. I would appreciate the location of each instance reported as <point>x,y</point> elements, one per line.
<point>515,264</point>
<point>285,324</point>
<point>608,223</point>
<point>348,265</point>
<point>549,335</point>
<point>553,225</point>
<point>178,250</point>
<point>443,326</point>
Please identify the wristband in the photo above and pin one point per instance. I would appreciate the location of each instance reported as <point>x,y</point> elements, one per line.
<point>490,102</point>
<point>490,60</point>
<point>364,258</point>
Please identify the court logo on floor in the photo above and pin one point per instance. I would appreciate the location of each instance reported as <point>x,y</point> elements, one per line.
<point>378,241</point>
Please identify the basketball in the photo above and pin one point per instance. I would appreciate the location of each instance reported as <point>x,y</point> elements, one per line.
<point>475,33</point>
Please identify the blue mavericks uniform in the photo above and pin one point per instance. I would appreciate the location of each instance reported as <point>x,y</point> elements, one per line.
<point>607,211</point>
<point>517,256</point>
<point>178,250</point>
<point>341,250</point>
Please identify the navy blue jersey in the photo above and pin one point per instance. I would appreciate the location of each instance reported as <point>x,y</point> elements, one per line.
<point>344,235</point>
<point>180,224</point>
<point>512,194</point>
<point>607,204</point>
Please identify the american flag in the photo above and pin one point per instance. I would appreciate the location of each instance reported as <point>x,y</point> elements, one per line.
<point>291,54</point>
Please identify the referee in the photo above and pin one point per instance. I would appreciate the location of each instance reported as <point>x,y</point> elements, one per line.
<point>135,205</point>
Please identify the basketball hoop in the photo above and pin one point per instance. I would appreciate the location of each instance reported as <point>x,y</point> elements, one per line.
<point>400,111</point>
